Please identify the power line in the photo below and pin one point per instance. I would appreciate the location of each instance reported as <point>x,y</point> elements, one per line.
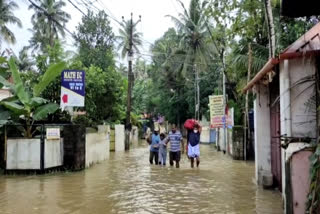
<point>48,15</point>
<point>76,7</point>
<point>107,11</point>
<point>87,3</point>
<point>176,61</point>
<point>91,7</point>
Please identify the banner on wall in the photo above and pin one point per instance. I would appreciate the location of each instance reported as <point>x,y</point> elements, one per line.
<point>72,88</point>
<point>216,111</point>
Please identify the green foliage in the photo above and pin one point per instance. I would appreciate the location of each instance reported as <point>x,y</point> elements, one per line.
<point>95,39</point>
<point>291,29</point>
<point>141,95</point>
<point>43,111</point>
<point>23,104</point>
<point>83,120</point>
<point>135,120</point>
<point>50,75</point>
<point>104,95</point>
<point>24,62</point>
<point>47,62</point>
<point>193,36</point>
<point>124,37</point>
<point>48,23</point>
<point>312,203</point>
<point>7,17</point>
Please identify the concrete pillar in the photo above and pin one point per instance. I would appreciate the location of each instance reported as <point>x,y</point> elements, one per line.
<point>221,139</point>
<point>285,116</point>
<point>262,138</point>
<point>119,137</point>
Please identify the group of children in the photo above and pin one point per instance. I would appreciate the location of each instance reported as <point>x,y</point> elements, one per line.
<point>158,146</point>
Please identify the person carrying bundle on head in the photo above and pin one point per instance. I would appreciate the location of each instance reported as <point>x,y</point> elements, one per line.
<point>193,145</point>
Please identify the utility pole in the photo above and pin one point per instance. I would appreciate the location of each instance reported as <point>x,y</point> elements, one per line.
<point>224,109</point>
<point>246,117</point>
<point>196,93</point>
<point>130,82</point>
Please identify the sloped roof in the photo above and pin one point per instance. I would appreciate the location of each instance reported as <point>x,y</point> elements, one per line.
<point>306,45</point>
<point>310,41</point>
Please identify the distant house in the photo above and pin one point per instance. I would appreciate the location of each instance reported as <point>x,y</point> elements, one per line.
<point>285,118</point>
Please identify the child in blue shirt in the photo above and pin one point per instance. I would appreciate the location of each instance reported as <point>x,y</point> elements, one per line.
<point>163,149</point>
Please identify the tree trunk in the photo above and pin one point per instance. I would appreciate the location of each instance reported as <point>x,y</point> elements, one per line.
<point>271,33</point>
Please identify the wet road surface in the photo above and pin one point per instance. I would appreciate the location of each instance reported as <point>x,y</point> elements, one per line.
<point>126,183</point>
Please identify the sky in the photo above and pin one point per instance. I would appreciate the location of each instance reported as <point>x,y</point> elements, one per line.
<point>153,21</point>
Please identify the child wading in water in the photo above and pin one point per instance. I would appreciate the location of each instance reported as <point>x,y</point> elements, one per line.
<point>163,149</point>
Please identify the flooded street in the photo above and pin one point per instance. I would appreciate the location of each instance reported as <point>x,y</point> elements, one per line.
<point>126,183</point>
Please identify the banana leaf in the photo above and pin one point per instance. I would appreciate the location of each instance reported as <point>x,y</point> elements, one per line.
<point>20,91</point>
<point>14,107</point>
<point>37,101</point>
<point>43,111</point>
<point>53,72</point>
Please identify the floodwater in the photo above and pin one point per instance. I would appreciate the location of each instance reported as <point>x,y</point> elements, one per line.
<point>126,183</point>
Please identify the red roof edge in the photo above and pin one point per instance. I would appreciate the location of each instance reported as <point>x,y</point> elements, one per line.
<point>266,68</point>
<point>284,56</point>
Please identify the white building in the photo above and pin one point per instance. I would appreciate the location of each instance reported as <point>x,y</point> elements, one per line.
<point>285,112</point>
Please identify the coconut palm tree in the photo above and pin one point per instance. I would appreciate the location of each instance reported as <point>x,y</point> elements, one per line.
<point>124,38</point>
<point>7,17</point>
<point>49,20</point>
<point>130,40</point>
<point>191,25</point>
<point>23,60</point>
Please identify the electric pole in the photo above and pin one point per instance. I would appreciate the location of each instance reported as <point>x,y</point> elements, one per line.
<point>246,118</point>
<point>224,109</point>
<point>196,93</point>
<point>130,82</point>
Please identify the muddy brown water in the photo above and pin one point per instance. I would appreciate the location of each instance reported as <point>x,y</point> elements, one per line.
<point>126,183</point>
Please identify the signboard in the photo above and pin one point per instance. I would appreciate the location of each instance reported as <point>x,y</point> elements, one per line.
<point>216,105</point>
<point>216,111</point>
<point>230,120</point>
<point>72,88</point>
<point>53,133</point>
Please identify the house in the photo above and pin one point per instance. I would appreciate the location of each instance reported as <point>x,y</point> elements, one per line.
<point>285,118</point>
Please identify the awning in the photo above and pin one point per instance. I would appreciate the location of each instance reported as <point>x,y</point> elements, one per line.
<point>266,68</point>
<point>307,45</point>
<point>308,42</point>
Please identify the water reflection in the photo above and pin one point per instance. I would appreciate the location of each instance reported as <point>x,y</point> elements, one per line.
<point>126,183</point>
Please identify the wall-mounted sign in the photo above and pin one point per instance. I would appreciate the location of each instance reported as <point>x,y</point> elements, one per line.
<point>216,111</point>
<point>53,133</point>
<point>72,88</point>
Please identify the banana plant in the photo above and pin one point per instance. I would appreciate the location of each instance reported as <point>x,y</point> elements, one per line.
<point>25,105</point>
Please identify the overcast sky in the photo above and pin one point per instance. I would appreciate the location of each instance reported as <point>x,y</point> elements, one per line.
<point>153,23</point>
